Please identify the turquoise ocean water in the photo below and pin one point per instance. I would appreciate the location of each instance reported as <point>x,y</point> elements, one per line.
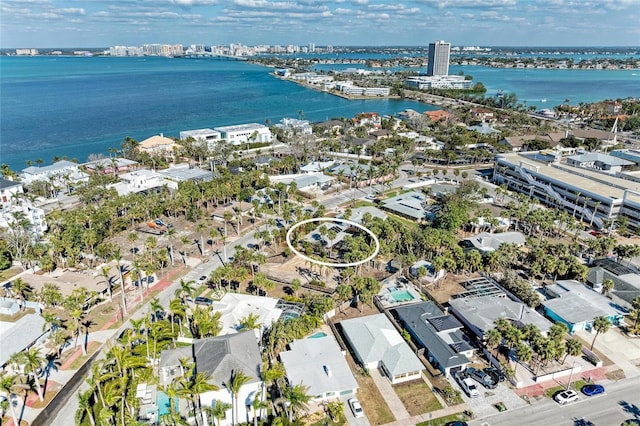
<point>78,106</point>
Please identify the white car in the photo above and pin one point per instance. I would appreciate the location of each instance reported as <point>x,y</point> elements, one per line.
<point>566,397</point>
<point>356,408</point>
<point>470,387</point>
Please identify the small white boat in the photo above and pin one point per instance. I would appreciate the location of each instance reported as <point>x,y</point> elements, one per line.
<point>543,100</point>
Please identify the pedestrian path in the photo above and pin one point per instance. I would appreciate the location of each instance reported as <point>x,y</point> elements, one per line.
<point>389,395</point>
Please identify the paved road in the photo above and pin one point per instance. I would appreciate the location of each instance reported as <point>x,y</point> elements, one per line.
<point>621,402</point>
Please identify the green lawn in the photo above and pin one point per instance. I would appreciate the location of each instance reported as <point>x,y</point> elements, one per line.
<point>577,385</point>
<point>417,397</point>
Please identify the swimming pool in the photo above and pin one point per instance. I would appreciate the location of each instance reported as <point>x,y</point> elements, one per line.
<point>163,403</point>
<point>318,335</point>
<point>402,295</point>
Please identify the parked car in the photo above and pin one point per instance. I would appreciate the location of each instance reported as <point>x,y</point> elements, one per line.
<point>202,279</point>
<point>469,387</point>
<point>456,423</point>
<point>496,374</point>
<point>356,408</point>
<point>593,389</point>
<point>483,378</point>
<point>203,301</point>
<point>566,397</point>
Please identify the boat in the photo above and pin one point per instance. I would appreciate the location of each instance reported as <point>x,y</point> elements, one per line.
<point>543,100</point>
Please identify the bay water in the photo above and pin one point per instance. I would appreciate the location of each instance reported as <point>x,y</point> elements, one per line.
<point>76,106</point>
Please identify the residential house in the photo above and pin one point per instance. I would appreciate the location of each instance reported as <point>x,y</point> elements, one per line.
<point>186,172</point>
<point>158,145</point>
<point>235,307</point>
<point>111,165</point>
<point>24,209</point>
<point>59,173</point>
<point>208,136</point>
<point>576,305</point>
<point>486,242</point>
<point>9,190</point>
<point>626,281</point>
<point>483,114</point>
<point>479,313</point>
<point>142,180</point>
<point>292,126</point>
<point>245,133</point>
<point>376,343</point>
<point>218,358</point>
<point>318,362</point>
<point>438,335</point>
<point>431,276</point>
<point>369,119</point>
<point>411,205</point>
<point>331,127</point>
<point>439,115</point>
<point>19,335</point>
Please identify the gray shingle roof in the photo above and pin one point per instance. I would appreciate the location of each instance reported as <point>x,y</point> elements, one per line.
<point>18,336</point>
<point>420,318</point>
<point>375,339</point>
<point>219,356</point>
<point>482,311</point>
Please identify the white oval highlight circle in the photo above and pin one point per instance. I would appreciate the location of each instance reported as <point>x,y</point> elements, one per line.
<point>328,264</point>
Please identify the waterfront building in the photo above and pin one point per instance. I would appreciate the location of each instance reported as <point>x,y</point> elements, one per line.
<point>590,195</point>
<point>111,165</point>
<point>24,209</point>
<point>438,58</point>
<point>9,190</point>
<point>158,145</point>
<point>57,172</point>
<point>294,125</point>
<point>348,88</point>
<point>209,136</point>
<point>439,82</point>
<point>245,133</point>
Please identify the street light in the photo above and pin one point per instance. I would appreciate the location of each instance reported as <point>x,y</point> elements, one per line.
<point>571,375</point>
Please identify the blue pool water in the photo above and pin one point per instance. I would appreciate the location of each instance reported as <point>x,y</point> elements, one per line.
<point>318,335</point>
<point>401,295</point>
<point>163,403</point>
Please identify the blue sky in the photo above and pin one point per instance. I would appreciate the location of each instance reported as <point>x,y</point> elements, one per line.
<point>103,23</point>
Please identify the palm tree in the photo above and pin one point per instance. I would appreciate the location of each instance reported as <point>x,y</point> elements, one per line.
<point>523,353</point>
<point>186,290</point>
<point>84,407</point>
<point>600,325</point>
<point>234,385</point>
<point>297,399</point>
<point>574,348</point>
<point>32,362</point>
<point>607,286</point>
<point>635,303</point>
<point>218,410</point>
<point>10,387</point>
<point>493,338</point>
<point>104,271</point>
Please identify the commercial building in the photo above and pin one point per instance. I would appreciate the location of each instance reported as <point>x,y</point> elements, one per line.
<point>592,196</point>
<point>438,58</point>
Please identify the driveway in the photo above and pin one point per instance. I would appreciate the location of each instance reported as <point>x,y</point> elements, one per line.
<point>484,405</point>
<point>622,350</point>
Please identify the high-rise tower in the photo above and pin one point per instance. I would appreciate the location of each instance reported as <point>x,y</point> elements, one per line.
<point>438,58</point>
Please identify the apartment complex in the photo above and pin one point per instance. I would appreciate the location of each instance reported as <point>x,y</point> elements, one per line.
<point>590,195</point>
<point>438,58</point>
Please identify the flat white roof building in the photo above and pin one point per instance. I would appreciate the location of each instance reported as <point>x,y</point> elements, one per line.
<point>243,133</point>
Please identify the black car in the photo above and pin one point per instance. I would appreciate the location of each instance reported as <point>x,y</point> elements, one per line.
<point>483,378</point>
<point>456,423</point>
<point>496,373</point>
<point>203,301</point>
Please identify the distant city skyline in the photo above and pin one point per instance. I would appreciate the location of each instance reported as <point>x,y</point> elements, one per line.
<point>74,23</point>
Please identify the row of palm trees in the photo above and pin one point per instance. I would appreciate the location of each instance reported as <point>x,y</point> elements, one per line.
<point>531,345</point>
